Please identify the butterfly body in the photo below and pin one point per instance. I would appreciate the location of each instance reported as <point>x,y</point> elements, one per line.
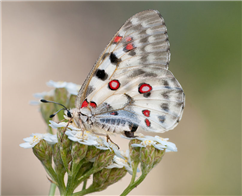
<point>130,85</point>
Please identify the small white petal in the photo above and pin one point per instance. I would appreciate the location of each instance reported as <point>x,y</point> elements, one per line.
<point>50,139</point>
<point>51,83</point>
<point>25,145</point>
<point>114,165</point>
<point>137,145</point>
<point>57,125</point>
<point>160,147</point>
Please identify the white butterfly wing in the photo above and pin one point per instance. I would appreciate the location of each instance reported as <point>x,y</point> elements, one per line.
<point>130,85</point>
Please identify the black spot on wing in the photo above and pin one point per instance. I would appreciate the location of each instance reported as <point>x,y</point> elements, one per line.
<point>132,53</point>
<point>165,95</point>
<point>144,40</point>
<point>137,72</point>
<point>113,58</point>
<point>165,83</point>
<point>162,119</point>
<point>150,75</point>
<point>101,74</point>
<point>146,95</point>
<point>164,106</point>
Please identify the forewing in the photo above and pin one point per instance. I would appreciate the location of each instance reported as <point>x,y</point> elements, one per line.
<point>142,40</point>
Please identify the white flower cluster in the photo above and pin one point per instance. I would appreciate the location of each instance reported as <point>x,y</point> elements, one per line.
<point>157,141</point>
<point>71,88</point>
<point>34,139</point>
<point>75,134</point>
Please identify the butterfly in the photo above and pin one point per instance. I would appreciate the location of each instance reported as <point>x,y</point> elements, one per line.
<point>130,86</point>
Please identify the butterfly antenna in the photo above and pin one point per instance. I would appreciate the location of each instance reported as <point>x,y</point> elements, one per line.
<point>64,108</point>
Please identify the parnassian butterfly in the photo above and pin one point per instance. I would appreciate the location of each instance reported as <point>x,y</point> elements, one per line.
<point>130,85</point>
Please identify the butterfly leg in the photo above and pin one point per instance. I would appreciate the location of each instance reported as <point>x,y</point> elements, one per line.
<point>61,120</point>
<point>66,128</point>
<point>108,138</point>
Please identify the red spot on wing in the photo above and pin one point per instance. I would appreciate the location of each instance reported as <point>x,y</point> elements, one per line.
<point>114,84</point>
<point>117,39</point>
<point>128,39</point>
<point>84,104</point>
<point>144,88</point>
<point>147,122</point>
<point>146,112</point>
<point>129,46</point>
<point>93,104</point>
<point>114,113</point>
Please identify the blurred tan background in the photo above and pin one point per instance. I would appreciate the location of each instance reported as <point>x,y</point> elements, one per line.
<point>45,41</point>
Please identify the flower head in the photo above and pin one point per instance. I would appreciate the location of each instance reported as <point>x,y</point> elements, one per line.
<point>55,125</point>
<point>120,163</point>
<point>82,137</point>
<point>51,139</point>
<point>158,142</point>
<point>102,144</point>
<point>35,138</point>
<point>31,141</point>
<point>70,87</point>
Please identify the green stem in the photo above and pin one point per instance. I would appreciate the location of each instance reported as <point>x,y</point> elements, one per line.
<point>84,184</point>
<point>70,185</point>
<point>132,186</point>
<point>52,189</point>
<point>90,189</point>
<point>135,165</point>
<point>51,172</point>
<point>61,183</point>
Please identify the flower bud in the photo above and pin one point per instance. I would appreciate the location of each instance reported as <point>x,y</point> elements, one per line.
<point>147,155</point>
<point>103,159</point>
<point>59,167</point>
<point>134,152</point>
<point>158,155</point>
<point>64,146</point>
<point>115,175</point>
<point>78,151</point>
<point>43,152</point>
<point>84,168</point>
<point>100,177</point>
<point>92,152</point>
